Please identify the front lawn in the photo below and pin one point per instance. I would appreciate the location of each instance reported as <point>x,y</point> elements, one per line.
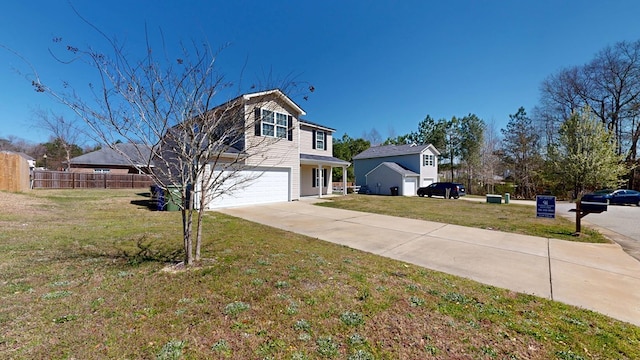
<point>514,218</point>
<point>83,277</point>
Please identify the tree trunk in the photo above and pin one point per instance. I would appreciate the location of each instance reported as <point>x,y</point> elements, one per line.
<point>188,241</point>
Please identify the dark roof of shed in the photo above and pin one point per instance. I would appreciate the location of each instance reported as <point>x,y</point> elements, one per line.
<point>391,150</point>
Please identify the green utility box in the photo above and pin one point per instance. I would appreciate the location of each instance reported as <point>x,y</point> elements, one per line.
<point>494,199</point>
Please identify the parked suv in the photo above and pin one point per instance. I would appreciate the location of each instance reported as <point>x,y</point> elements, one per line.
<point>440,189</point>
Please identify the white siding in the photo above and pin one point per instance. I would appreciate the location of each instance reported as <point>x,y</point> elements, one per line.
<point>306,142</point>
<point>274,152</point>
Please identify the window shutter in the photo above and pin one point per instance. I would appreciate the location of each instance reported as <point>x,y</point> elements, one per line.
<point>290,128</point>
<point>324,177</point>
<point>258,122</point>
<point>326,138</point>
<point>313,177</point>
<point>313,145</point>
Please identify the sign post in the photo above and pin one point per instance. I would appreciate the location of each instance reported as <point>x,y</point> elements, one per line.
<point>546,206</point>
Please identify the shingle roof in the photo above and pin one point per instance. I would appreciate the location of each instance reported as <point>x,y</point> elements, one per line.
<point>325,159</point>
<point>391,150</point>
<point>399,169</point>
<point>305,121</point>
<point>138,154</point>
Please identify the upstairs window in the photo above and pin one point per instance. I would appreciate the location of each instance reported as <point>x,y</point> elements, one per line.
<point>319,140</point>
<point>428,160</point>
<point>273,124</point>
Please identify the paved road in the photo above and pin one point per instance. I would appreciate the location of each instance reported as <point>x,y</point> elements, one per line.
<point>619,223</point>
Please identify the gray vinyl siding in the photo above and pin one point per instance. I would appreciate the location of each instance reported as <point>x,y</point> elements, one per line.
<point>362,166</point>
<point>382,179</point>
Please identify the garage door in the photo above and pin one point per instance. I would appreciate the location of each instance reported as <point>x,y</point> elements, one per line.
<point>409,187</point>
<point>256,187</point>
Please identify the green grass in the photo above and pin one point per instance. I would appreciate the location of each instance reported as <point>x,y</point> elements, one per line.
<point>514,218</point>
<point>82,277</point>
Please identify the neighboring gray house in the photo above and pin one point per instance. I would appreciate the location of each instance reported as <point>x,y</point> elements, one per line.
<point>108,160</point>
<point>407,167</point>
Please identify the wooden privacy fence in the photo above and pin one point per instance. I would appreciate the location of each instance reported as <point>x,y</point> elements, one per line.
<point>14,172</point>
<point>70,180</point>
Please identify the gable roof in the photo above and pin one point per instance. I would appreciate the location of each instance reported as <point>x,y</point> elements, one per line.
<point>313,124</point>
<point>279,94</point>
<point>394,150</point>
<point>138,154</point>
<point>395,167</point>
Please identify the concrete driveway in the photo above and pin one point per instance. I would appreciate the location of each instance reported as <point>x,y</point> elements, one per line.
<point>599,277</point>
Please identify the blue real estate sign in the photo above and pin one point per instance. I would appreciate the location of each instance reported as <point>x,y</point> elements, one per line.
<point>546,206</point>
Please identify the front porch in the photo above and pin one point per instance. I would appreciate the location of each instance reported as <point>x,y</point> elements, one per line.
<point>316,177</point>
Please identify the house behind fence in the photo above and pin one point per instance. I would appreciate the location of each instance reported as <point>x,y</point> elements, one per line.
<point>14,172</point>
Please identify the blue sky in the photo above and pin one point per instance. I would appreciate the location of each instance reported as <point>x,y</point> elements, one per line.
<point>380,65</point>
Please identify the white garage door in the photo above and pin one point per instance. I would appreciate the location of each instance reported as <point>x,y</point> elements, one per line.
<point>409,187</point>
<point>257,187</point>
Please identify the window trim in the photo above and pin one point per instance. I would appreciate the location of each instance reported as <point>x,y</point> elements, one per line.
<point>277,124</point>
<point>428,160</point>
<point>321,140</point>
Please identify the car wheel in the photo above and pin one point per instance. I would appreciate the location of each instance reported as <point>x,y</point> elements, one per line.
<point>429,195</point>
<point>456,197</point>
<point>421,195</point>
<point>608,202</point>
<point>638,203</point>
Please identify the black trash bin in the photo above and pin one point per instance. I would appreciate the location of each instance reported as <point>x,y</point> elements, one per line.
<point>395,191</point>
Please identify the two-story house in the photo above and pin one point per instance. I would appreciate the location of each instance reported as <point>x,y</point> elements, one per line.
<point>286,157</point>
<point>406,167</point>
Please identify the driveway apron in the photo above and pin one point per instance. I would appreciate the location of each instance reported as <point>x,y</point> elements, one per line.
<point>598,277</point>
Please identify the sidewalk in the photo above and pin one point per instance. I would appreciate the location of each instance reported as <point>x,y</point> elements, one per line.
<point>599,277</point>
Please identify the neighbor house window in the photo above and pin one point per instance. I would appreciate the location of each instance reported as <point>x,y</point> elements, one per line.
<point>274,124</point>
<point>101,171</point>
<point>428,160</point>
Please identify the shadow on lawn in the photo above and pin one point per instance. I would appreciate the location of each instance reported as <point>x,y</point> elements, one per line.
<point>147,202</point>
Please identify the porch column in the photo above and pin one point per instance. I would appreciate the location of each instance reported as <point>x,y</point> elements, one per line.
<point>321,181</point>
<point>330,182</point>
<point>344,180</point>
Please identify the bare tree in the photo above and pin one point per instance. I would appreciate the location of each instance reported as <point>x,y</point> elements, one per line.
<point>609,85</point>
<point>489,157</point>
<point>165,105</point>
<point>66,133</point>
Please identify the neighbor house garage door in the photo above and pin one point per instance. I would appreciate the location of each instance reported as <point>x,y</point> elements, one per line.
<point>409,187</point>
<point>257,187</point>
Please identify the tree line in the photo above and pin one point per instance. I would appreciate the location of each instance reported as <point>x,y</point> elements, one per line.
<point>583,135</point>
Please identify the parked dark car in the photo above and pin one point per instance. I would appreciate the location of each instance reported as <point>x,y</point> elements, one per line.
<point>440,189</point>
<point>621,196</point>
